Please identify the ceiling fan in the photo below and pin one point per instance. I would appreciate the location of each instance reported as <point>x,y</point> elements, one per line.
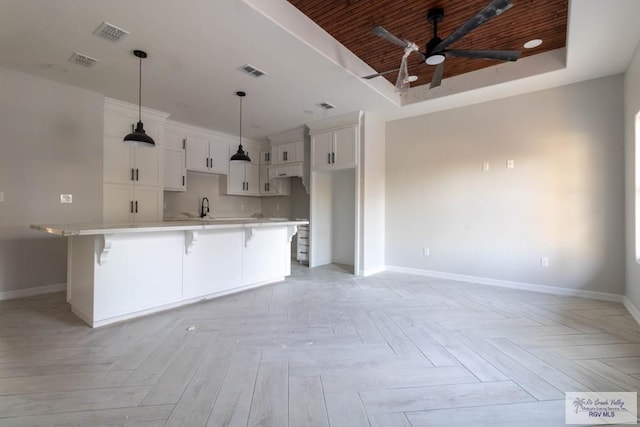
<point>436,49</point>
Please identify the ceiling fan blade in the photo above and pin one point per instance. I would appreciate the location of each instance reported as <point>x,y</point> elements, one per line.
<point>493,9</point>
<point>371,76</point>
<point>500,55</point>
<point>381,32</point>
<point>437,75</point>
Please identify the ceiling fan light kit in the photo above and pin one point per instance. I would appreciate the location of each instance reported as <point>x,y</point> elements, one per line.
<point>139,136</point>
<point>436,48</point>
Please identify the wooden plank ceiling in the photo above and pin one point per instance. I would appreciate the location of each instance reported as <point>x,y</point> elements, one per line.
<point>351,21</point>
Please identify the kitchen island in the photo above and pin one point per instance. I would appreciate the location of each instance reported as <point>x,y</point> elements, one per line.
<point>121,271</point>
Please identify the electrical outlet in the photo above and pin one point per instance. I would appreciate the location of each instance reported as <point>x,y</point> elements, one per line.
<point>1,196</point>
<point>544,262</point>
<point>510,164</point>
<point>426,251</point>
<point>66,198</point>
<point>485,166</point>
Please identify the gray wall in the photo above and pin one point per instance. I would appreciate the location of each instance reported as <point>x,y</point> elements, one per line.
<point>632,108</point>
<point>563,200</point>
<point>50,143</point>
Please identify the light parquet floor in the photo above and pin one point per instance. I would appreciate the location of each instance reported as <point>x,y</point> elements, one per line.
<point>322,348</point>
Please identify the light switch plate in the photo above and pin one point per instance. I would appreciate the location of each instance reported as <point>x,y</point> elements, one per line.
<point>485,166</point>
<point>66,198</point>
<point>510,164</point>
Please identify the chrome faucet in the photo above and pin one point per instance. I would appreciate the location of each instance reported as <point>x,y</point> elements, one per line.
<point>204,210</point>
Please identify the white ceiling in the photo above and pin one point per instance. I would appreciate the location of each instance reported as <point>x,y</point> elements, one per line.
<point>195,47</point>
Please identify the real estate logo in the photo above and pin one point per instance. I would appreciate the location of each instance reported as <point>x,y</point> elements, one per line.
<point>601,408</point>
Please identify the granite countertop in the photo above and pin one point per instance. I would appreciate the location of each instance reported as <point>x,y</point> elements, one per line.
<point>192,224</point>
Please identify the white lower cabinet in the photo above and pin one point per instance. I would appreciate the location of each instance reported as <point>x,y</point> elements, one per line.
<point>127,203</point>
<point>213,264</point>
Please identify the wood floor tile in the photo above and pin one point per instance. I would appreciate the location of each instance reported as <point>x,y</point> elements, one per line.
<point>322,348</point>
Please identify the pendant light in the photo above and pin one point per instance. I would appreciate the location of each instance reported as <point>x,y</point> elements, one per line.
<point>240,154</point>
<point>139,135</point>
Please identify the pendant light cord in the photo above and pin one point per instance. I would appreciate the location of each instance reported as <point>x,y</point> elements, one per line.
<point>140,92</point>
<point>240,121</point>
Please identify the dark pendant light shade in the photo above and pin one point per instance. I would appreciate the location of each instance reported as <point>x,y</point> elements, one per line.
<point>240,154</point>
<point>139,135</point>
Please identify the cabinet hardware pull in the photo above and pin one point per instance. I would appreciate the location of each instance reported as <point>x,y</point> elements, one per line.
<point>183,180</point>
<point>285,156</point>
<point>333,157</point>
<point>132,176</point>
<point>184,143</point>
<point>136,206</point>
<point>132,127</point>
<point>137,174</point>
<point>282,174</point>
<point>131,207</point>
<point>328,158</point>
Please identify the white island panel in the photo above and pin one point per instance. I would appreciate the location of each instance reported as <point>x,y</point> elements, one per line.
<point>212,264</point>
<point>141,272</point>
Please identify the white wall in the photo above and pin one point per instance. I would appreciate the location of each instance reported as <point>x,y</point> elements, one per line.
<point>373,194</point>
<point>632,108</point>
<point>563,200</point>
<point>50,144</point>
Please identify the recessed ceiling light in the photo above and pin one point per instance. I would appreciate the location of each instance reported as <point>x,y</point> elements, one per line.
<point>532,43</point>
<point>411,79</point>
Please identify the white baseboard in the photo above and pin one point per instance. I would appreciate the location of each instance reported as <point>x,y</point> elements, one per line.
<point>19,293</point>
<point>633,310</point>
<point>602,296</point>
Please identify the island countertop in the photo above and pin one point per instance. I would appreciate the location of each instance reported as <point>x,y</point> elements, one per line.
<point>177,225</point>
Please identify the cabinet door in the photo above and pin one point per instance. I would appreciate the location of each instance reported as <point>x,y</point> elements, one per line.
<point>321,148</point>
<point>147,204</point>
<point>236,179</point>
<point>298,148</point>
<point>146,162</point>
<point>252,179</point>
<point>265,157</point>
<point>219,155</point>
<point>197,154</point>
<point>117,162</point>
<point>174,139</point>
<point>116,204</point>
<point>344,148</point>
<point>264,180</point>
<point>175,173</point>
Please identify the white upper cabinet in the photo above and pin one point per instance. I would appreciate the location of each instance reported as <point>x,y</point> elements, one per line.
<point>334,149</point>
<point>175,169</point>
<point>283,154</point>
<point>204,154</point>
<point>132,173</point>
<point>273,187</point>
<point>243,179</point>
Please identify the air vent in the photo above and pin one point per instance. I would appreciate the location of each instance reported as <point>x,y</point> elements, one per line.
<point>251,70</point>
<point>326,106</point>
<point>110,32</point>
<point>82,59</point>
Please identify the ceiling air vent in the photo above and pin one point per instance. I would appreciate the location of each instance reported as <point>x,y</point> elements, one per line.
<point>110,32</point>
<point>326,106</point>
<point>251,70</point>
<point>82,59</point>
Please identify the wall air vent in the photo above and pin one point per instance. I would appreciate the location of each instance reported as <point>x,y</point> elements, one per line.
<point>110,32</point>
<point>82,59</point>
<point>326,106</point>
<point>251,70</point>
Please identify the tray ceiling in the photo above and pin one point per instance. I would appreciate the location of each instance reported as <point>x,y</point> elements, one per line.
<point>351,23</point>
